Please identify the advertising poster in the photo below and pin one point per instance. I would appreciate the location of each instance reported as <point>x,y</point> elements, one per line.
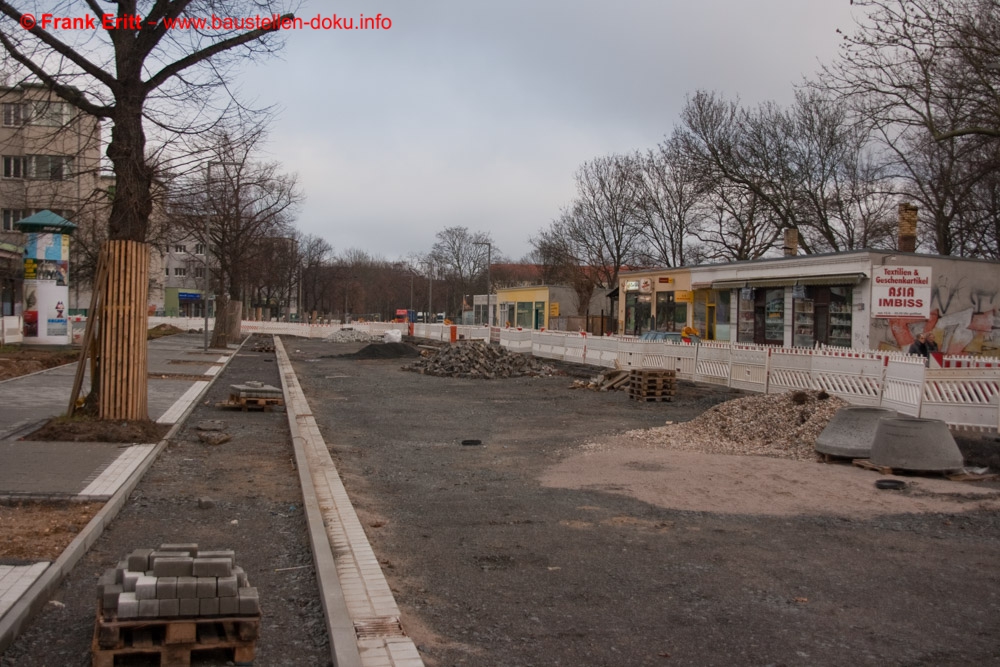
<point>46,288</point>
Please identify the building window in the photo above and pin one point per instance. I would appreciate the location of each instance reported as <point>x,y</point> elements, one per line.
<point>10,216</point>
<point>14,166</point>
<point>49,167</point>
<point>199,272</point>
<point>199,249</point>
<point>180,248</point>
<point>180,271</point>
<point>168,270</point>
<point>670,315</point>
<point>49,114</point>
<point>12,114</point>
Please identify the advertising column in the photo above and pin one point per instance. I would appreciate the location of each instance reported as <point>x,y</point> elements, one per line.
<point>46,289</point>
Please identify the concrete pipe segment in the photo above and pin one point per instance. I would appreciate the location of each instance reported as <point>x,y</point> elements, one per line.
<point>851,431</point>
<point>910,443</point>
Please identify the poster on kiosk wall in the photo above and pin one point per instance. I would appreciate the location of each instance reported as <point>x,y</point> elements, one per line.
<point>46,289</point>
<point>901,291</point>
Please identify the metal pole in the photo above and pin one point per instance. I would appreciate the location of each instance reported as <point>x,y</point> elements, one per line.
<point>430,292</point>
<point>489,284</point>
<point>204,295</point>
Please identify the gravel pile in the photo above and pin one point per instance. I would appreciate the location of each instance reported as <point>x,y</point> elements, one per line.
<point>477,359</point>
<point>781,426</point>
<point>350,336</point>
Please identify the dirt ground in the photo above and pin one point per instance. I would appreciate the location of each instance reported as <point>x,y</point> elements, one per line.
<point>241,495</point>
<point>41,531</point>
<point>558,542</point>
<point>18,360</point>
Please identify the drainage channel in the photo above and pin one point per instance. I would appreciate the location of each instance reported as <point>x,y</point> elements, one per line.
<point>361,611</point>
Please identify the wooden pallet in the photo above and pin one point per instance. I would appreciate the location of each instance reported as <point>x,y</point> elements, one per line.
<point>653,373</point>
<point>174,640</point>
<point>954,477</point>
<point>245,403</point>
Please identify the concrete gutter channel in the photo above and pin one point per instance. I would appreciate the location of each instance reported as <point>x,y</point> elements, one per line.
<point>361,613</point>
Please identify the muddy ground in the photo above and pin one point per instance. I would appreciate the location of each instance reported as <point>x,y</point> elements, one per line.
<point>556,543</point>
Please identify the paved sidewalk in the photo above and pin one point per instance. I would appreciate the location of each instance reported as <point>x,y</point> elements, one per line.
<point>86,470</point>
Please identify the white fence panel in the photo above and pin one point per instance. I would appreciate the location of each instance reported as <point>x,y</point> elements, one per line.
<point>11,329</point>
<point>516,340</point>
<point>602,351</point>
<point>748,368</point>
<point>856,379</point>
<point>473,333</point>
<point>681,357</point>
<point>966,397</point>
<point>576,348</point>
<point>548,345</point>
<point>903,386</point>
<point>712,364</point>
<point>790,369</point>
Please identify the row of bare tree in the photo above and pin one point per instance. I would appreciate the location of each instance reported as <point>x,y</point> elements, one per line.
<point>909,111</point>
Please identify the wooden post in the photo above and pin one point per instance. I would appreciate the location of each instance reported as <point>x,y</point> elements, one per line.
<point>122,333</point>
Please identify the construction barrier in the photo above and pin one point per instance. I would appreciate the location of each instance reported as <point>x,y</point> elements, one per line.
<point>962,391</point>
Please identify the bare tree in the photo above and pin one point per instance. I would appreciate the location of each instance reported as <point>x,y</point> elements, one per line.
<point>139,72</point>
<point>933,64</point>
<point>670,193</point>
<point>461,255</point>
<point>243,205</point>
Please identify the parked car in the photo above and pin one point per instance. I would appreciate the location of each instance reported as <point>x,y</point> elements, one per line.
<point>669,336</point>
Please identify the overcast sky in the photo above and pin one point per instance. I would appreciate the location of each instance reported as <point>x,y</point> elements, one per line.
<point>477,114</point>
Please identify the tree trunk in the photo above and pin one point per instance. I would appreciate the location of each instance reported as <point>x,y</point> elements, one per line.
<point>122,364</point>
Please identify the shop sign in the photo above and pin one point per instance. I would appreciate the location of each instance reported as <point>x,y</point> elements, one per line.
<point>901,291</point>
<point>631,285</point>
<point>646,285</point>
<point>746,294</point>
<point>664,280</point>
<point>554,309</point>
<point>683,296</point>
<point>798,291</point>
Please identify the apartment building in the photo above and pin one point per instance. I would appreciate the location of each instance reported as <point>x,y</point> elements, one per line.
<point>51,156</point>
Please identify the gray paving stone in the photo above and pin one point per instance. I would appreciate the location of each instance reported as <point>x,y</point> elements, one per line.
<point>207,587</point>
<point>129,579</point>
<point>128,605</point>
<point>138,560</point>
<point>219,553</point>
<point>212,567</point>
<point>110,597</point>
<point>227,586</point>
<point>188,606</point>
<point>187,588</point>
<point>188,548</point>
<point>173,566</point>
<point>241,576</point>
<point>170,607</point>
<point>145,589</point>
<point>149,608</point>
<point>209,606</point>
<point>249,601</point>
<point>166,588</point>
<point>229,606</point>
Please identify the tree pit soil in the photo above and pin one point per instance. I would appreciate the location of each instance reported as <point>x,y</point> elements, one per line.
<point>88,429</point>
<point>18,361</point>
<point>34,531</point>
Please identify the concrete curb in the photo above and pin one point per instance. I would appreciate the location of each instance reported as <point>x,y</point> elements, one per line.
<point>41,590</point>
<point>340,627</point>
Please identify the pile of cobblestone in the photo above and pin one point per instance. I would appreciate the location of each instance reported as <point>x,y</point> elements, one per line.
<point>350,336</point>
<point>177,580</point>
<point>480,360</point>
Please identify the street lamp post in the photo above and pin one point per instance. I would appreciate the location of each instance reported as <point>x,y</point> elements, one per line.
<point>489,281</point>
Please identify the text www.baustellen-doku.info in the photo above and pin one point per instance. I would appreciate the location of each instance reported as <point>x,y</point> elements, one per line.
<point>203,23</point>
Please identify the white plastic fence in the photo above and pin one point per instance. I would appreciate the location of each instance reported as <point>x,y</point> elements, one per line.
<point>964,391</point>
<point>11,329</point>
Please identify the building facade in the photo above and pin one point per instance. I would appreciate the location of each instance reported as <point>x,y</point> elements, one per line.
<point>862,299</point>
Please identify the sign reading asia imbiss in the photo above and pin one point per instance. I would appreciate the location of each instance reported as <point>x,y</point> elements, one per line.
<point>901,291</point>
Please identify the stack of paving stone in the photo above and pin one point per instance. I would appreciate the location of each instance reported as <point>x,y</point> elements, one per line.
<point>350,336</point>
<point>176,580</point>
